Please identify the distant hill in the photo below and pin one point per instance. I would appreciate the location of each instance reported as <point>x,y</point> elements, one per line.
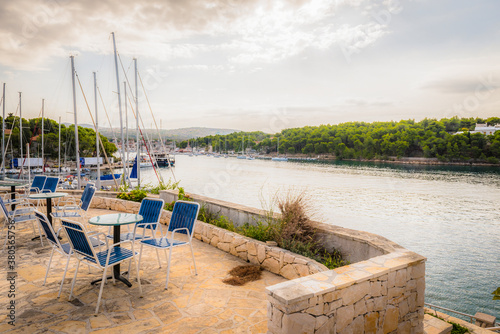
<point>176,134</point>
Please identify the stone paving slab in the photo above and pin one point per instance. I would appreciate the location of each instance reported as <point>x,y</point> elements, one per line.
<point>192,304</point>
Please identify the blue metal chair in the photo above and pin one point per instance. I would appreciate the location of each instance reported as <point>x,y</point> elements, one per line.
<point>150,209</point>
<point>24,212</point>
<point>63,249</point>
<point>183,221</point>
<point>71,209</point>
<point>81,246</point>
<point>50,185</point>
<point>38,183</point>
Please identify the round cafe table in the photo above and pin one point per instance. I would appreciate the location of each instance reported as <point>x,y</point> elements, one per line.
<point>48,197</point>
<point>12,184</point>
<point>116,220</point>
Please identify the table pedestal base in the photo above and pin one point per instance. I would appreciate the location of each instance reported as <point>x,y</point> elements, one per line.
<point>110,278</point>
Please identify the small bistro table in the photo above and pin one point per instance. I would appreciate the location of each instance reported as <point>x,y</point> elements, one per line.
<point>12,184</point>
<point>116,220</point>
<point>48,197</point>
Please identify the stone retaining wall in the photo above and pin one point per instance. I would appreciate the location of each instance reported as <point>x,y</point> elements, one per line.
<point>381,293</point>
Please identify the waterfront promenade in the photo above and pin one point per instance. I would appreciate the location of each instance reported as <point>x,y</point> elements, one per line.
<point>192,304</point>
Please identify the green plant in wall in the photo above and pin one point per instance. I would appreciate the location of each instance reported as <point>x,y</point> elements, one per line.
<point>496,294</point>
<point>182,196</point>
<point>136,195</point>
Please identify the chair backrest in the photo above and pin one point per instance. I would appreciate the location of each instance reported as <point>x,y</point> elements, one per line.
<point>150,210</point>
<point>38,183</point>
<point>50,185</point>
<point>78,238</point>
<point>47,228</point>
<point>184,215</point>
<point>87,195</point>
<point>4,208</point>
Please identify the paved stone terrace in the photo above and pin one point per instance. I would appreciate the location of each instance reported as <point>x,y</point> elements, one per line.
<point>193,304</point>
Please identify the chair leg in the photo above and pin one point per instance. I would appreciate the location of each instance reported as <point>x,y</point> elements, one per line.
<point>100,290</point>
<point>40,233</point>
<point>140,254</point>
<point>74,280</point>
<point>158,256</point>
<point>138,276</point>
<point>194,262</point>
<point>64,276</point>
<point>48,266</point>
<point>168,267</point>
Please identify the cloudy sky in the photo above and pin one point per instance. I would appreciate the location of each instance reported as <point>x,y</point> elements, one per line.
<point>255,64</point>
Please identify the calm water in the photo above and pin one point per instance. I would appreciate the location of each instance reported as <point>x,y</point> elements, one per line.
<point>450,215</point>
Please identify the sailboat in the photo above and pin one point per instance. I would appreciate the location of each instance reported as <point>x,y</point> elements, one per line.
<point>242,156</point>
<point>277,158</point>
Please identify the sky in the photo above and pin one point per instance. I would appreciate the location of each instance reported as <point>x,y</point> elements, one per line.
<point>252,64</point>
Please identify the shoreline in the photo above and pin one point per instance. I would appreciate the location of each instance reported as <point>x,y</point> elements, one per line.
<point>404,161</point>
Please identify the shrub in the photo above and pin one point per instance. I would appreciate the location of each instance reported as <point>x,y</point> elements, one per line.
<point>180,197</point>
<point>136,195</point>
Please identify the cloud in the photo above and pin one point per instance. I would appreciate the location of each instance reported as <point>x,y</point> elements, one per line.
<point>244,31</point>
<point>465,85</point>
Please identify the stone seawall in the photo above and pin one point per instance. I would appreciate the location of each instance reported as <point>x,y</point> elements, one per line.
<point>381,292</point>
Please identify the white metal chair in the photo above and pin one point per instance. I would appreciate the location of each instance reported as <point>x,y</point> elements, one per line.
<point>24,212</point>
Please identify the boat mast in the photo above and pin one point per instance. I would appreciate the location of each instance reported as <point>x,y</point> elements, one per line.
<point>3,131</point>
<point>43,161</point>
<point>59,149</point>
<point>21,133</point>
<point>126,119</point>
<point>98,181</point>
<point>119,108</point>
<point>77,144</point>
<point>137,125</point>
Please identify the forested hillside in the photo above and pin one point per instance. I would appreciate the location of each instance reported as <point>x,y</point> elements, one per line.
<point>429,138</point>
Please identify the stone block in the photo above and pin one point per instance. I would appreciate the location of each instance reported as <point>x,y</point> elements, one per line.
<point>371,322</point>
<point>242,247</point>
<point>320,321</point>
<point>301,269</point>
<point>272,265</point>
<point>298,323</point>
<point>214,241</point>
<point>344,316</point>
<point>224,246</point>
<point>243,256</point>
<point>253,259</point>
<point>395,292</point>
<point>391,279</point>
<point>403,308</point>
<point>401,278</point>
<point>288,258</point>
<point>391,319</point>
<point>288,271</point>
<point>418,270</point>
<point>376,304</point>
<point>261,253</point>
<point>358,325</point>
<point>411,285</point>
<point>355,292</point>
<point>316,310</point>
<point>276,317</point>
<point>360,308</point>
<point>329,308</point>
<point>252,250</point>
<point>376,289</point>
<point>228,237</point>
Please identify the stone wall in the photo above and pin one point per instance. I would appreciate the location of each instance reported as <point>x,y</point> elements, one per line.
<point>274,259</point>
<point>382,295</point>
<point>382,292</point>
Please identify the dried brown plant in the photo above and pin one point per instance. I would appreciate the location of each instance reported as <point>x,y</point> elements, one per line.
<point>243,274</point>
